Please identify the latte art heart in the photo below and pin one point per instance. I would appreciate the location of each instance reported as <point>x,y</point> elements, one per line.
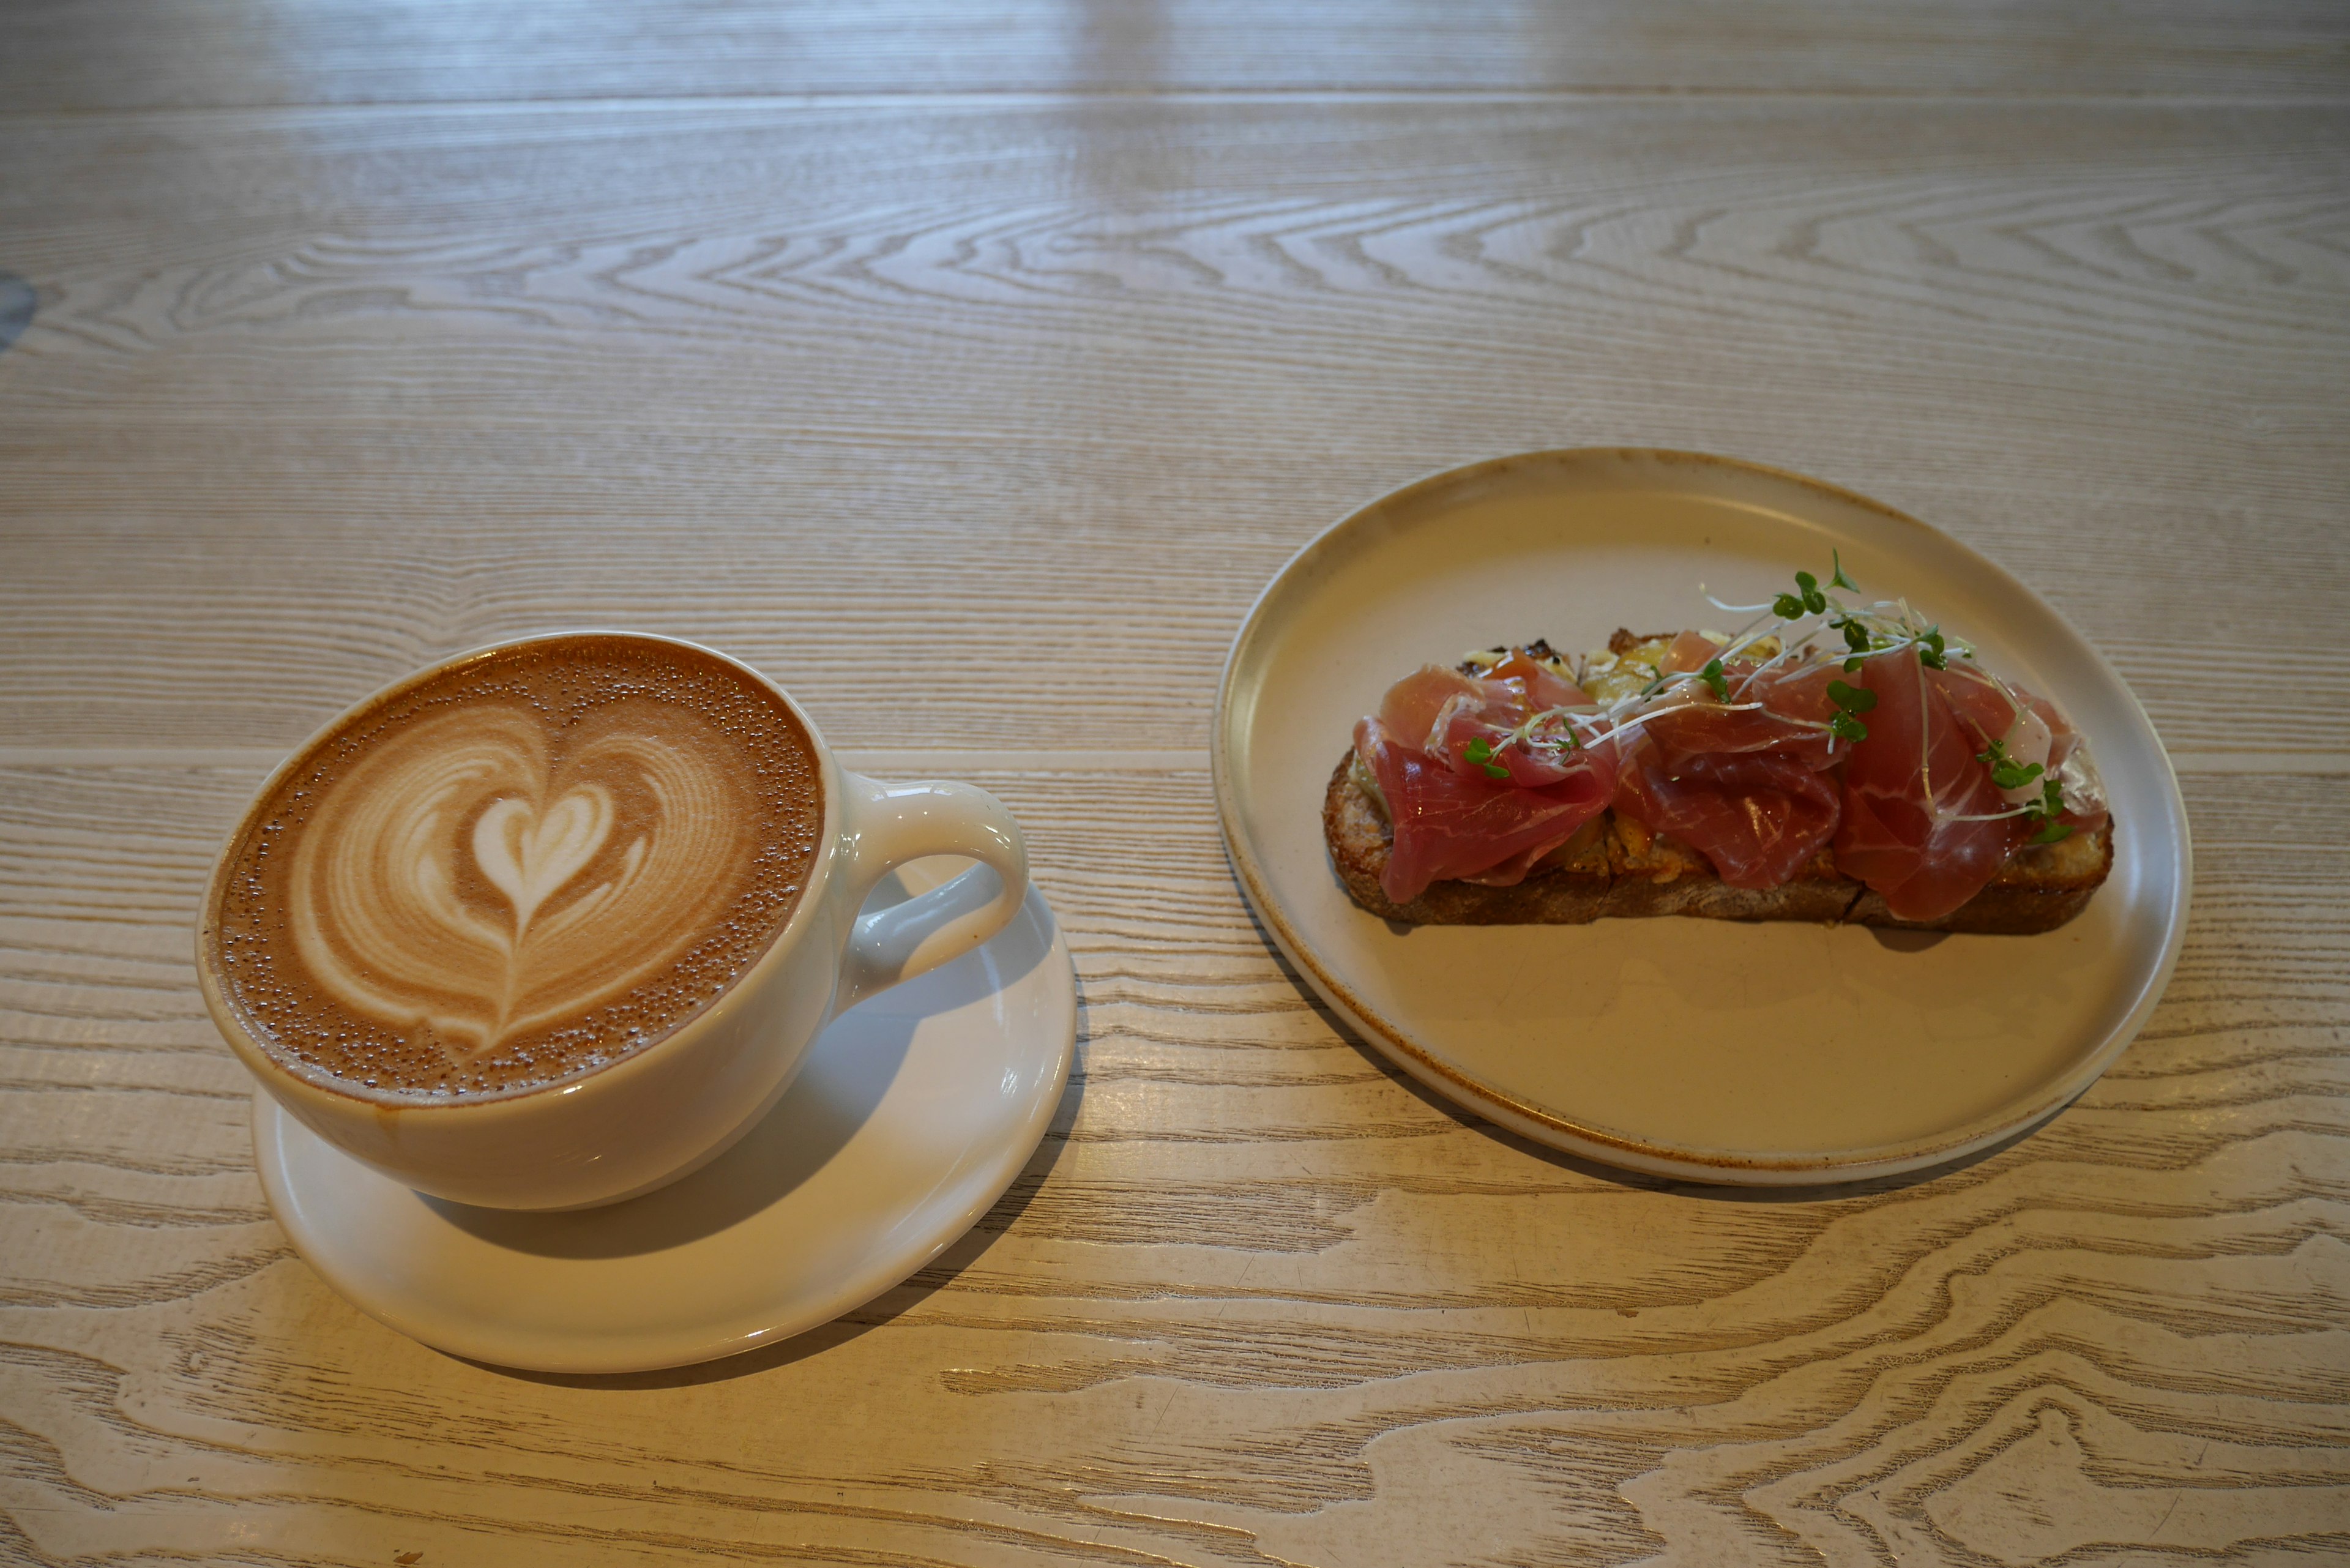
<point>389,908</point>
<point>528,855</point>
<point>531,864</point>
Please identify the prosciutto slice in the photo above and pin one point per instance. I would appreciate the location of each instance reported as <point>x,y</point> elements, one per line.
<point>1759,817</point>
<point>1744,783</point>
<point>2032,730</point>
<point>1549,758</point>
<point>1412,705</point>
<point>1452,819</point>
<point>1916,792</point>
<point>1451,824</point>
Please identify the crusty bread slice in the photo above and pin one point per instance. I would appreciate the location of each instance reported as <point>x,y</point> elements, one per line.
<point>1616,866</point>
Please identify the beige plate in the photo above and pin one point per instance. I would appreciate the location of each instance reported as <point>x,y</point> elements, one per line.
<point>1761,1054</point>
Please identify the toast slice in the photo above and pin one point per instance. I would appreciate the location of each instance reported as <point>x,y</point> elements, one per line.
<point>1617,867</point>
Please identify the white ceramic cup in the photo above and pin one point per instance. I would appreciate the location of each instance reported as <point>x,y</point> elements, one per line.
<point>668,1109</point>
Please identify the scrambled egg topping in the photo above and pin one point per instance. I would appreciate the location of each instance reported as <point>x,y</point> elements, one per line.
<point>1611,677</point>
<point>1483,659</point>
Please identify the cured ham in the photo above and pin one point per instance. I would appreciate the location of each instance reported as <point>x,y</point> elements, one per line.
<point>1919,772</point>
<point>1924,824</point>
<point>1740,777</point>
<point>1452,825</point>
<point>1434,750</point>
<point>1759,817</point>
<point>2030,730</point>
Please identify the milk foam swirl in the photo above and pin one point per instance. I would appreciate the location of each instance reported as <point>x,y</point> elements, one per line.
<point>525,866</point>
<point>384,893</point>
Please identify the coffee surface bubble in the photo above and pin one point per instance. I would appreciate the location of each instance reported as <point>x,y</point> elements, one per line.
<point>526,867</point>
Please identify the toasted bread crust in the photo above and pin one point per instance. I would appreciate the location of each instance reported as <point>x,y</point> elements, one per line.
<point>1618,868</point>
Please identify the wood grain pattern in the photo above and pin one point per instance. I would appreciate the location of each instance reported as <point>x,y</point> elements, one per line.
<point>144,54</point>
<point>338,378</point>
<point>1257,1301</point>
<point>971,368</point>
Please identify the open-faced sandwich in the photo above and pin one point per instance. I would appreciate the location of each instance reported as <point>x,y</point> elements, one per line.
<point>1834,761</point>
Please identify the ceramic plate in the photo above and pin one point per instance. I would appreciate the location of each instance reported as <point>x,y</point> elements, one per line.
<point>914,1112</point>
<point>1701,1049</point>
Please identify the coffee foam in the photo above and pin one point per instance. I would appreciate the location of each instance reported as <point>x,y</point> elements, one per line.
<point>526,867</point>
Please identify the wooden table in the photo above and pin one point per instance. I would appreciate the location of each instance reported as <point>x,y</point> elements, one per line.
<point>970,368</point>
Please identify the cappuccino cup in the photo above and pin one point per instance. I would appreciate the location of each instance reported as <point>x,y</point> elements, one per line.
<point>553,923</point>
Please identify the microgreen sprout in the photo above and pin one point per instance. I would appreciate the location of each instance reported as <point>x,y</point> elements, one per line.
<point>1881,627</point>
<point>2008,774</point>
<point>1479,753</point>
<point>1807,597</point>
<point>1851,702</point>
<point>2005,771</point>
<point>1553,727</point>
<point>1713,676</point>
<point>1855,637</point>
<point>2045,811</point>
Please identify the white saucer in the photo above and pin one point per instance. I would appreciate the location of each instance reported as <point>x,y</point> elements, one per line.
<point>914,1113</point>
<point>1699,1049</point>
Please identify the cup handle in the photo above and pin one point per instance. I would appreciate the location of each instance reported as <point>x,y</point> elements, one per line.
<point>885,826</point>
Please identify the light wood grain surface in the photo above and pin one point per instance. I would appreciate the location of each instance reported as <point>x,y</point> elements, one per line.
<point>970,368</point>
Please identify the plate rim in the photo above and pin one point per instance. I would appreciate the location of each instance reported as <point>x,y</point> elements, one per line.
<point>676,1349</point>
<point>1615,1148</point>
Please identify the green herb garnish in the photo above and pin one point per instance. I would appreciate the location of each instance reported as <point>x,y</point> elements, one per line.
<point>1807,597</point>
<point>2005,771</point>
<point>1713,676</point>
<point>2008,774</point>
<point>1480,752</point>
<point>1855,637</point>
<point>1851,702</point>
<point>2045,811</point>
<point>1930,650</point>
<point>1840,580</point>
